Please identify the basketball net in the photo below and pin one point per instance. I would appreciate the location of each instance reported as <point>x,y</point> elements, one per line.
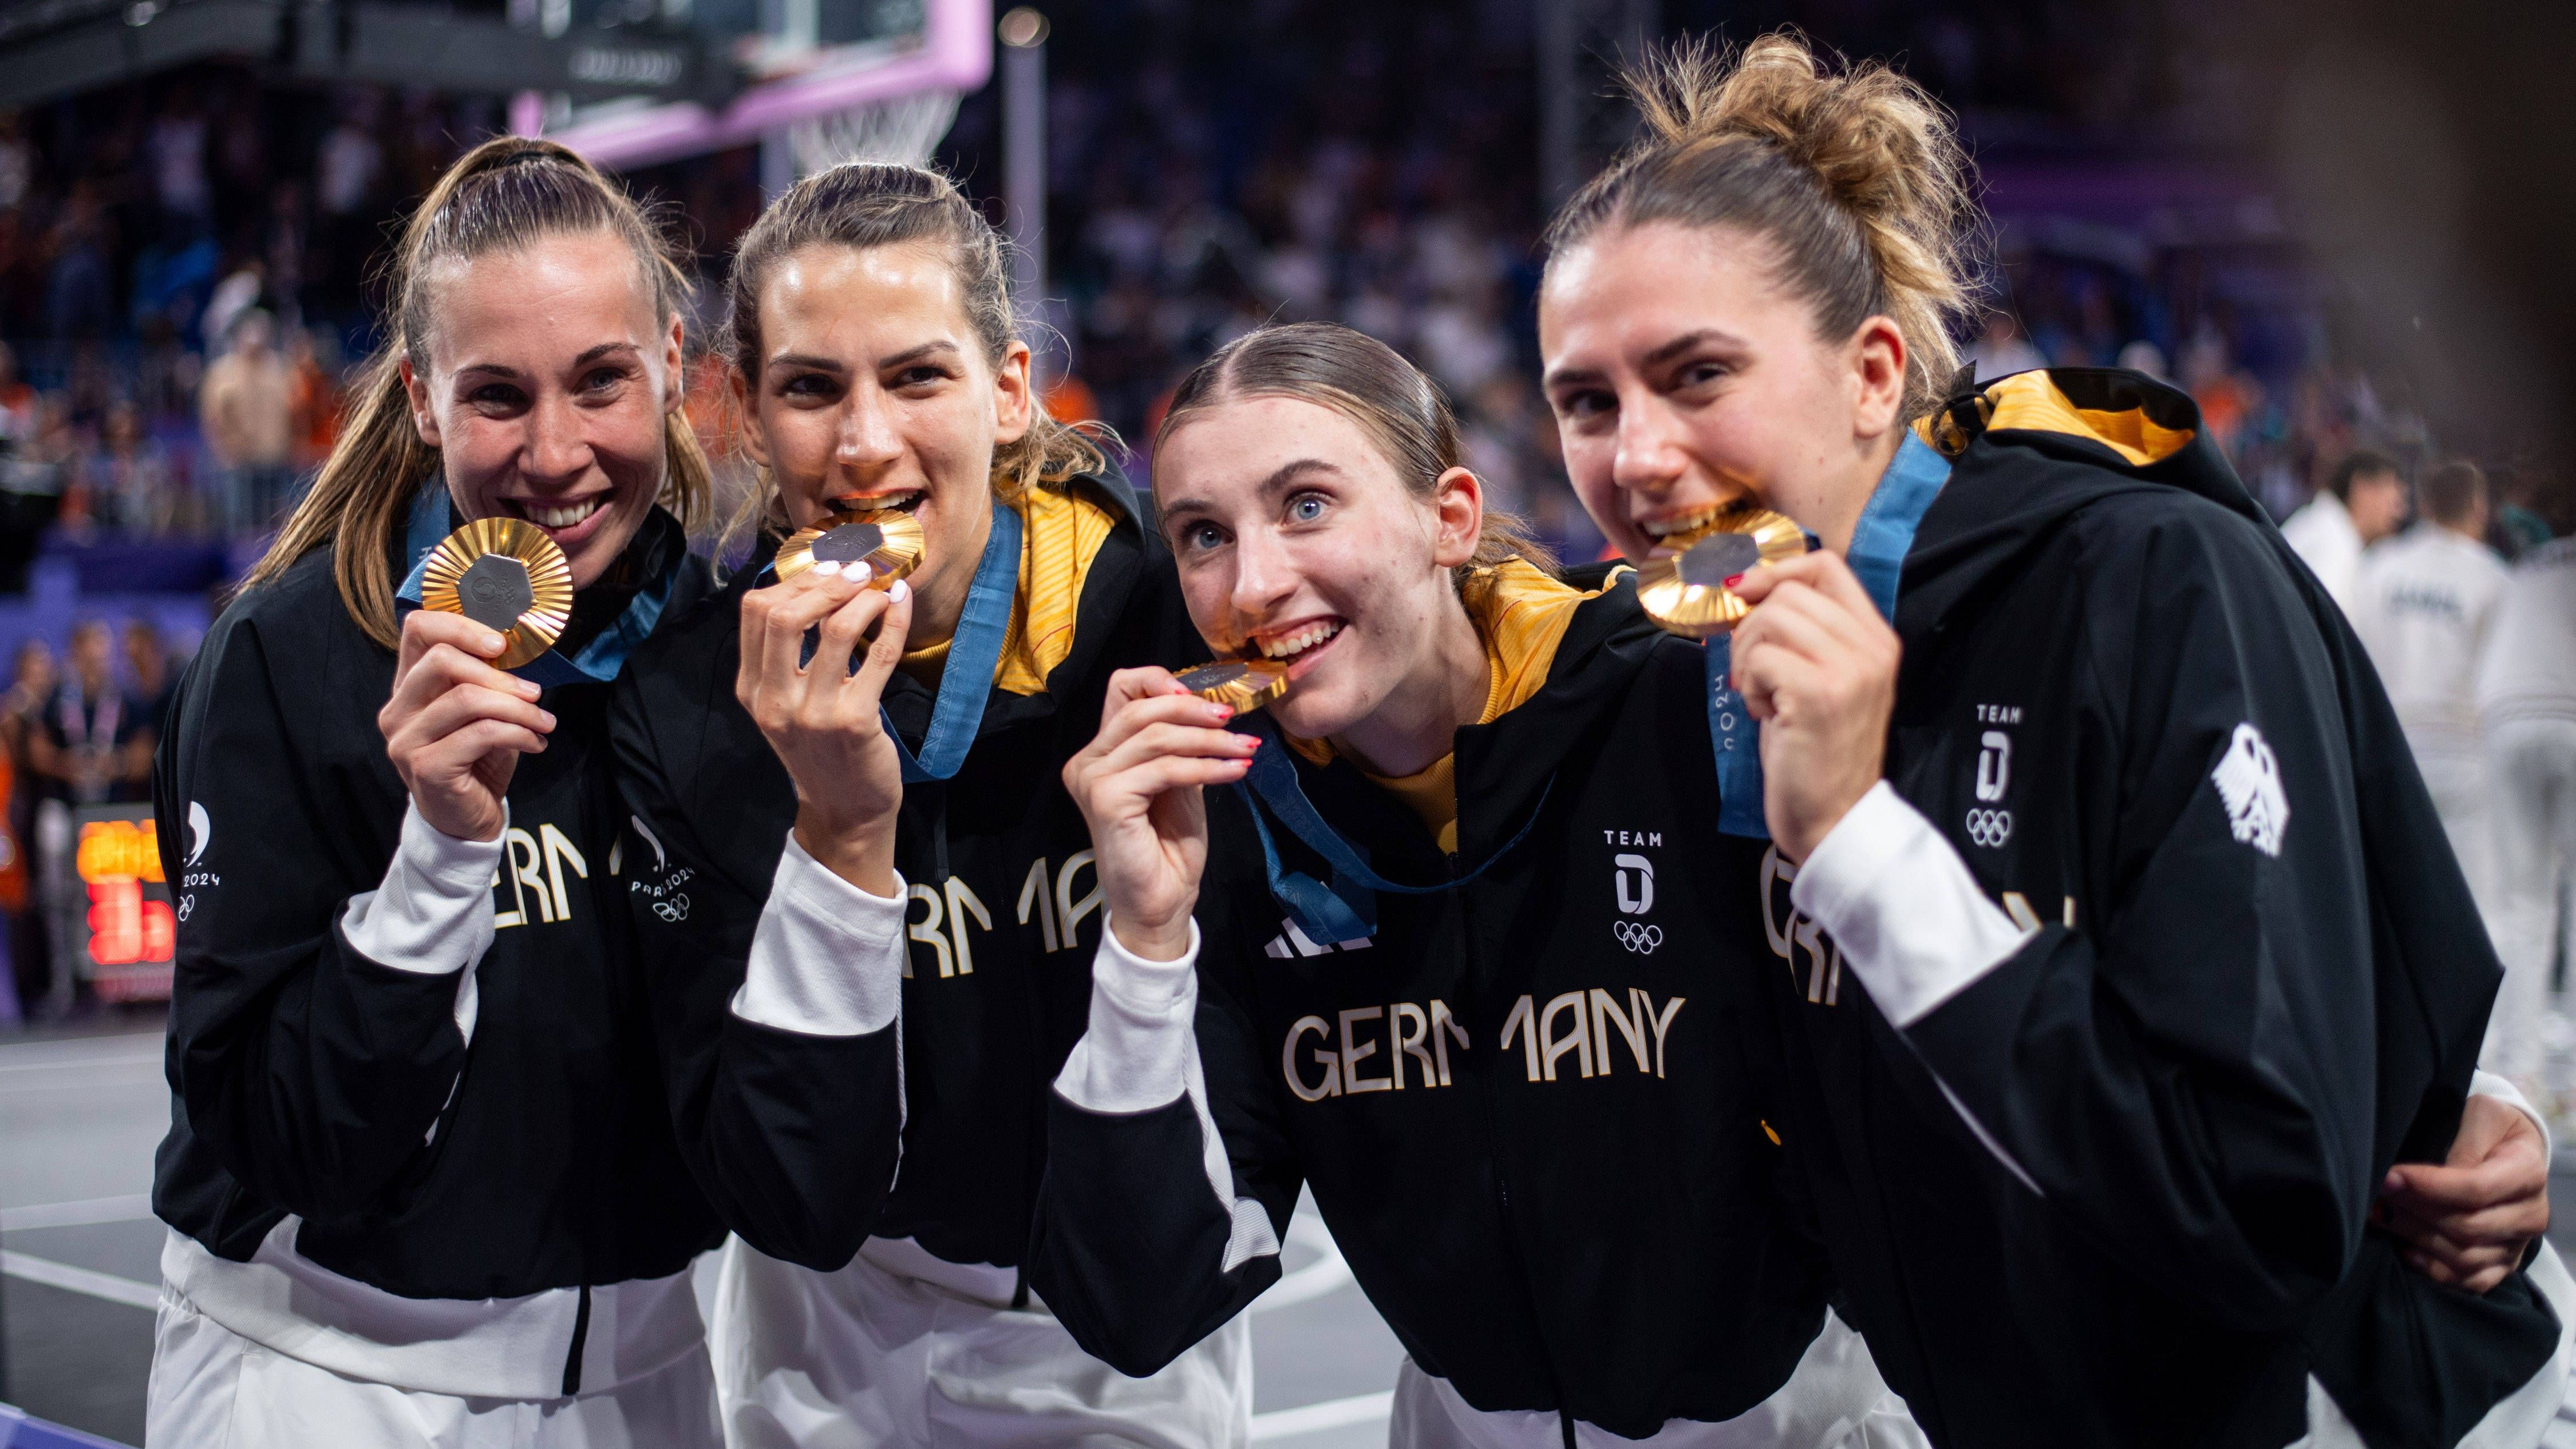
<point>904,129</point>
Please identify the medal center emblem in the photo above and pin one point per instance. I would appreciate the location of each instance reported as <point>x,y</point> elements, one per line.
<point>495,590</point>
<point>848,544</point>
<point>1719,557</point>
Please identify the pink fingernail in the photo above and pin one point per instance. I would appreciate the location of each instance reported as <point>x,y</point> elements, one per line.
<point>1732,580</point>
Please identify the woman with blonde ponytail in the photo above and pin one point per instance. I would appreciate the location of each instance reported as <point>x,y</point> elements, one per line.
<point>420,1182</point>
<point>2129,992</point>
<point>856,842</point>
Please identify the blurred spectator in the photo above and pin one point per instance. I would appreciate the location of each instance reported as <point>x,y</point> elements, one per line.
<point>237,293</point>
<point>22,710</point>
<point>88,742</point>
<point>2527,703</point>
<point>2424,605</point>
<point>2000,349</point>
<point>2363,502</point>
<point>17,400</point>
<point>317,396</point>
<point>148,664</point>
<point>17,160</point>
<point>179,162</point>
<point>127,481</point>
<point>247,405</point>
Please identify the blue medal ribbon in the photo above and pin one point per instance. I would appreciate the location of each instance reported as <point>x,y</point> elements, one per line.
<point>1346,909</point>
<point>597,662</point>
<point>1877,558</point>
<point>957,710</point>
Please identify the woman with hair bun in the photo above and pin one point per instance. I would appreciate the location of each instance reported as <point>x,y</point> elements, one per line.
<point>878,765</point>
<point>1434,953</point>
<point>2132,995</point>
<point>420,1181</point>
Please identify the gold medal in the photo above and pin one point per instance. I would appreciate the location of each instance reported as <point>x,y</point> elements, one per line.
<point>1686,592</point>
<point>1246,684</point>
<point>887,542</point>
<point>506,575</point>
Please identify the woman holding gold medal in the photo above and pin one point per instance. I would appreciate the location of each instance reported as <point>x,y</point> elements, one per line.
<point>863,730</point>
<point>1422,935</point>
<point>2132,996</point>
<point>420,1180</point>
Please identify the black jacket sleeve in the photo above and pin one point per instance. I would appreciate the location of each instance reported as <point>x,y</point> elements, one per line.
<point>793,1137</point>
<point>2190,1075</point>
<point>313,1073</point>
<point>1136,1247</point>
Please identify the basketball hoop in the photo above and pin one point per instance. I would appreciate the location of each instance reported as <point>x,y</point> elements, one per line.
<point>904,129</point>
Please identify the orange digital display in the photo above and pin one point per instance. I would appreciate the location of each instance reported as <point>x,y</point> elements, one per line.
<point>116,859</point>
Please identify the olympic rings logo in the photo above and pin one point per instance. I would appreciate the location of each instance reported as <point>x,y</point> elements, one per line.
<point>1641,939</point>
<point>1989,828</point>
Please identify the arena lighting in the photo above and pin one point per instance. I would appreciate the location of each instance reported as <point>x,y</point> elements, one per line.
<point>1023,28</point>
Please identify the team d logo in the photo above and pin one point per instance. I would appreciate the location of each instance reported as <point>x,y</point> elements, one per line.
<point>2248,778</point>
<point>1632,879</point>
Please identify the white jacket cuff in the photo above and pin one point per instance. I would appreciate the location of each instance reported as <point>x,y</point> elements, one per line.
<point>1902,906</point>
<point>1137,1054</point>
<point>827,957</point>
<point>433,913</point>
<point>2489,1084</point>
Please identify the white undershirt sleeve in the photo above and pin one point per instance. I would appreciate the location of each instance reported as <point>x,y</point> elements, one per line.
<point>1141,1052</point>
<point>2489,1084</point>
<point>433,913</point>
<point>827,957</point>
<point>1901,904</point>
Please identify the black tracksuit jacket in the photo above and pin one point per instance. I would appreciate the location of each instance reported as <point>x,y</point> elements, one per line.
<point>1006,911</point>
<point>1531,1108</point>
<point>2208,1054</point>
<point>306,1079</point>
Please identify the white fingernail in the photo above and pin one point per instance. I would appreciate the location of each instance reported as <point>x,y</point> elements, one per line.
<point>828,567</point>
<point>899,591</point>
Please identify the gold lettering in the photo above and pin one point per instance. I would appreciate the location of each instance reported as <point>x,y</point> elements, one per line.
<point>1409,1043</point>
<point>1663,1022</point>
<point>1288,1062</point>
<point>1352,1081</point>
<point>1443,1027</point>
<point>1068,911</point>
<point>1523,1020</point>
<point>1555,1046</point>
<point>1605,1013</point>
<point>1033,896</point>
<point>526,874</point>
<point>961,904</point>
<point>559,849</point>
<point>926,931</point>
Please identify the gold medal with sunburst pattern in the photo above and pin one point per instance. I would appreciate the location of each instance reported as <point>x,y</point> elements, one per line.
<point>1685,592</point>
<point>505,574</point>
<point>887,541</point>
<point>1245,684</point>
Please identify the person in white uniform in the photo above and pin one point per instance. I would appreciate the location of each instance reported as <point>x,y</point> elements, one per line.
<point>2424,605</point>
<point>2527,703</point>
<point>2364,501</point>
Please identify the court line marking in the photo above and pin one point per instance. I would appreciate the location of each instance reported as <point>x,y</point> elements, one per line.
<point>75,1064</point>
<point>1330,1414</point>
<point>81,1280</point>
<point>132,1207</point>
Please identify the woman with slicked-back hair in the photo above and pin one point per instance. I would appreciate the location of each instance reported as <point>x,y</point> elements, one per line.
<point>879,766</point>
<point>420,1179</point>
<point>2130,996</point>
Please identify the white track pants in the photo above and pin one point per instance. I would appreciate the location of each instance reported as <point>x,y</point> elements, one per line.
<point>869,1359</point>
<point>1835,1400</point>
<point>214,1389</point>
<point>2533,765</point>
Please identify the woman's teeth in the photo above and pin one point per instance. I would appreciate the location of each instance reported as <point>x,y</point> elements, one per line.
<point>1681,522</point>
<point>904,502</point>
<point>1298,641</point>
<point>566,516</point>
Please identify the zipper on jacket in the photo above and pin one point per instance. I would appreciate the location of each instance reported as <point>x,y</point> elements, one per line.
<point>580,1336</point>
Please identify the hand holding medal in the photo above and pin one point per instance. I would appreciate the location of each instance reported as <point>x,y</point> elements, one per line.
<point>876,548</point>
<point>495,594</point>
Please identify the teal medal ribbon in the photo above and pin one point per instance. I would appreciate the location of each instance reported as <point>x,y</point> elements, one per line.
<point>974,652</point>
<point>597,662</point>
<point>1877,557</point>
<point>1346,908</point>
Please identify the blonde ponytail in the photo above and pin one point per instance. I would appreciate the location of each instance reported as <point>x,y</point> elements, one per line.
<point>502,195</point>
<point>1853,174</point>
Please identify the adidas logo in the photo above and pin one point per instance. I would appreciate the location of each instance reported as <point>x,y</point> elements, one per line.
<point>1293,942</point>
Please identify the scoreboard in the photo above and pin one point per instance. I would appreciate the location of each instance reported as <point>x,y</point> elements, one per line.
<point>122,918</point>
